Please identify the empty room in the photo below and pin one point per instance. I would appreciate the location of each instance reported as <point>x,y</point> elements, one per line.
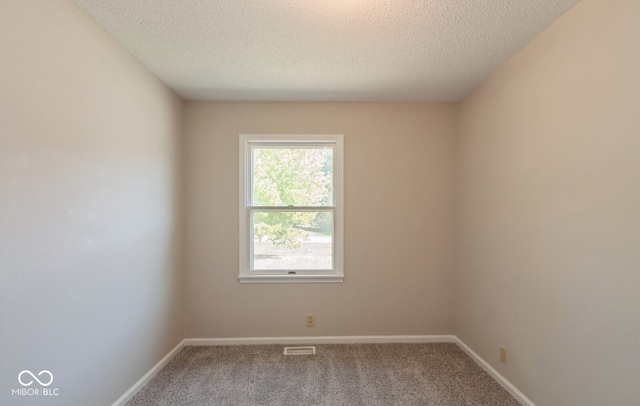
<point>320,202</point>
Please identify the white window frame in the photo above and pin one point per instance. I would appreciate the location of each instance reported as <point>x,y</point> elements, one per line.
<point>246,275</point>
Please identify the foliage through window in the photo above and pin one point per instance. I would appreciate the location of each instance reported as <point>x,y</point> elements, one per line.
<point>291,208</point>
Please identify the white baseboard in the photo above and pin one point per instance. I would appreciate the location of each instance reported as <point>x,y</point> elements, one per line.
<point>508,386</point>
<point>520,397</point>
<point>321,340</point>
<point>147,377</point>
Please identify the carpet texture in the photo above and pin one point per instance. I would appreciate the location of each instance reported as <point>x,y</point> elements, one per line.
<point>359,374</point>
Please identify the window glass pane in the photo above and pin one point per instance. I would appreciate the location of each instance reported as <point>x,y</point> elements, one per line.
<point>292,240</point>
<point>292,176</point>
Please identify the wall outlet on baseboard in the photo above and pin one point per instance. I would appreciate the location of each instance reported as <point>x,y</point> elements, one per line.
<point>311,320</point>
<point>503,354</point>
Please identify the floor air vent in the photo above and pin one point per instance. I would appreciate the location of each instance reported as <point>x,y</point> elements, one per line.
<point>299,350</point>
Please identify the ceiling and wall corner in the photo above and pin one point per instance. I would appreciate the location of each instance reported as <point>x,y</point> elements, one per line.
<point>330,50</point>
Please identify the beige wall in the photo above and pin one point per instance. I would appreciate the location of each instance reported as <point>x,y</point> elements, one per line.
<point>90,261</point>
<point>398,222</point>
<point>548,203</point>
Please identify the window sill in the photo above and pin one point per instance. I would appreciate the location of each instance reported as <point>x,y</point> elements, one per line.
<point>291,278</point>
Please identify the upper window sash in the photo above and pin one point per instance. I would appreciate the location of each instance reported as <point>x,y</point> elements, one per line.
<point>256,145</point>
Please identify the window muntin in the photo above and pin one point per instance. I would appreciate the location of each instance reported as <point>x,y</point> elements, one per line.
<point>291,211</point>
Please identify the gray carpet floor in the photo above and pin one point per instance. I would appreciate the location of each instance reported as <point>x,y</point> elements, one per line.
<point>359,374</point>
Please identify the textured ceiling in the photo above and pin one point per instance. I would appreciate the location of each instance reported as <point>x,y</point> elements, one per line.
<point>324,50</point>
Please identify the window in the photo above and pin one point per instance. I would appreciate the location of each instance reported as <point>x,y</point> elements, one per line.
<point>291,214</point>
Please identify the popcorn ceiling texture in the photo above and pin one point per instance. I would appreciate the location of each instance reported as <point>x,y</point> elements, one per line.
<point>324,50</point>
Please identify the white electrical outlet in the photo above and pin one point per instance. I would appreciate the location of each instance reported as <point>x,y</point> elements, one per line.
<point>311,320</point>
<point>503,355</point>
